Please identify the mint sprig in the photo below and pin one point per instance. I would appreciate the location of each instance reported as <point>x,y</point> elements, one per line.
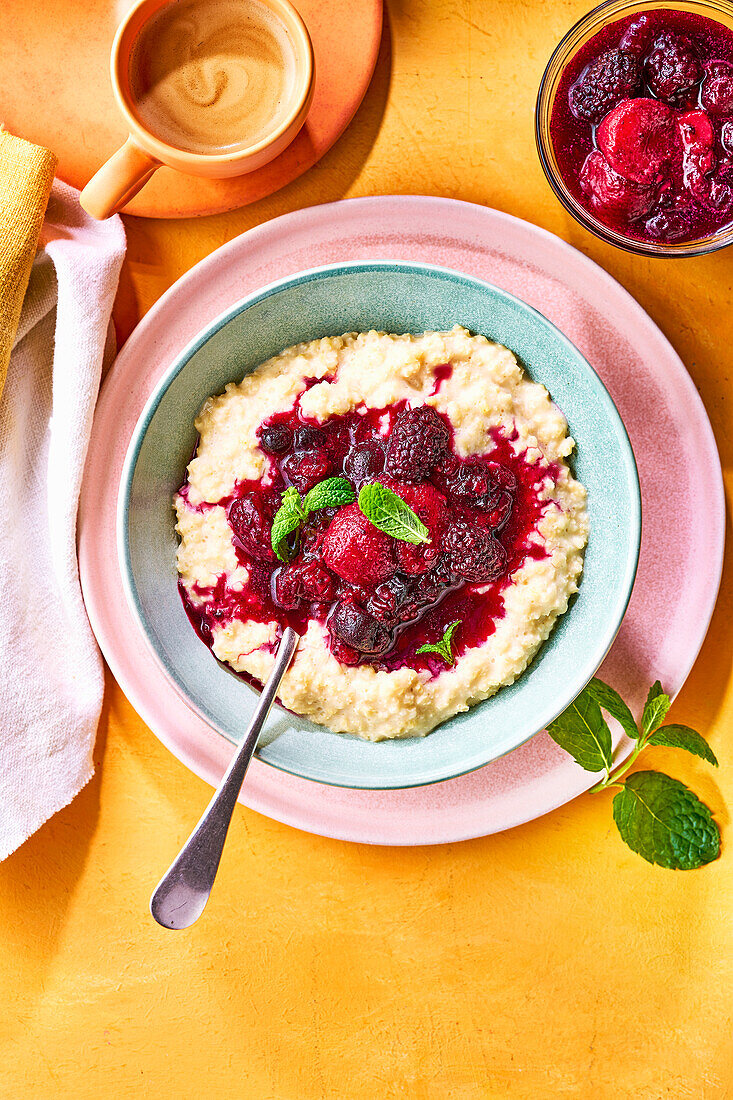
<point>662,820</point>
<point>582,731</point>
<point>331,493</point>
<point>294,511</point>
<point>655,709</point>
<point>287,522</point>
<point>389,513</point>
<point>657,816</point>
<point>682,737</point>
<point>443,647</point>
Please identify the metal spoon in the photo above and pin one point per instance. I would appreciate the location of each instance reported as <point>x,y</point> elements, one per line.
<point>180,897</point>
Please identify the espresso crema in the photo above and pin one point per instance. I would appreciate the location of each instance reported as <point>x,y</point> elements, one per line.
<point>213,76</point>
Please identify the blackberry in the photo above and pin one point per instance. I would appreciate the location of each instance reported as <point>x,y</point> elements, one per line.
<point>477,483</point>
<point>672,66</point>
<point>611,77</point>
<point>475,555</point>
<point>418,441</point>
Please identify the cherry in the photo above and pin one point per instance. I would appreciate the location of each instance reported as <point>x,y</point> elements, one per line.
<point>276,438</point>
<point>250,517</point>
<point>364,462</point>
<point>360,630</point>
<point>611,193</point>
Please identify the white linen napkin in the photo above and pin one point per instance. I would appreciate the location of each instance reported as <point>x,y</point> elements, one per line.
<point>51,681</point>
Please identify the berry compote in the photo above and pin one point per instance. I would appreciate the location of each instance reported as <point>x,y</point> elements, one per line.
<point>380,599</point>
<point>642,126</point>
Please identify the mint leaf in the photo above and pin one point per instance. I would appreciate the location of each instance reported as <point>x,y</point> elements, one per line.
<point>331,493</point>
<point>293,511</point>
<point>287,521</point>
<point>443,647</point>
<point>612,702</point>
<point>582,731</point>
<point>665,822</point>
<point>390,514</point>
<point>655,709</point>
<point>682,737</point>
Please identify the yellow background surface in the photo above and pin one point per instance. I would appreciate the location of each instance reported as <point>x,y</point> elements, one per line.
<point>546,962</point>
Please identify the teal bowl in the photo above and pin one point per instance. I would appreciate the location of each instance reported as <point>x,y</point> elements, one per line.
<point>392,297</point>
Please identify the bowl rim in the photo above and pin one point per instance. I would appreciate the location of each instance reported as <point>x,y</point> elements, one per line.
<point>614,10</point>
<point>626,582</point>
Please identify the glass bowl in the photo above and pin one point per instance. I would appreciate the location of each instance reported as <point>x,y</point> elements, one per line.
<point>575,39</point>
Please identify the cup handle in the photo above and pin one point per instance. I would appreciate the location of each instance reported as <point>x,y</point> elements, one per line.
<point>118,180</point>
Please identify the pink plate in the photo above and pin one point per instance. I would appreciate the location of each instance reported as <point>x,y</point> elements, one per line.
<point>680,563</point>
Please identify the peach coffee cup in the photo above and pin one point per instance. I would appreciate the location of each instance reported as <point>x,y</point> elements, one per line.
<point>129,169</point>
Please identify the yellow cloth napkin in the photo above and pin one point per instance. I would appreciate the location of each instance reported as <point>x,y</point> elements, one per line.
<point>26,175</point>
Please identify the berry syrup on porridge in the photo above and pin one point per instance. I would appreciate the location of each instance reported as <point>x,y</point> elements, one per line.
<point>380,598</point>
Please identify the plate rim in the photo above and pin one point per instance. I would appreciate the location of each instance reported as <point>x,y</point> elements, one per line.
<point>261,294</point>
<point>206,756</point>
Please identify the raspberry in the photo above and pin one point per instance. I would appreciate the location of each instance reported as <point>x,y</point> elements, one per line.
<point>304,580</point>
<point>474,553</point>
<point>356,551</point>
<point>418,440</point>
<point>716,95</point>
<point>358,629</point>
<point>250,517</point>
<point>364,462</point>
<point>275,438</point>
<point>610,193</point>
<point>431,507</point>
<point>611,77</point>
<point>639,139</point>
<point>304,470</point>
<point>672,66</point>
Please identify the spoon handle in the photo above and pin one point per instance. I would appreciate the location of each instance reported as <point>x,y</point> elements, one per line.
<point>181,895</point>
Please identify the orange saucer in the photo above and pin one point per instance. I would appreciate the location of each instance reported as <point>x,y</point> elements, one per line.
<point>55,91</point>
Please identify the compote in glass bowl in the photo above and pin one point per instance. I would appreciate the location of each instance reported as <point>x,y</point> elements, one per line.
<point>635,125</point>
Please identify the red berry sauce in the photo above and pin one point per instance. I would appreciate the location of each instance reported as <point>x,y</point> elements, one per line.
<point>642,126</point>
<point>380,598</point>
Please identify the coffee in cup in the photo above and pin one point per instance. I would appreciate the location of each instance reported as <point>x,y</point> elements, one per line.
<point>213,76</point>
<point>214,88</point>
